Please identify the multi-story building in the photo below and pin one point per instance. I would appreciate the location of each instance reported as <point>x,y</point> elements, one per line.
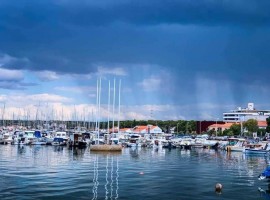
<point>244,114</point>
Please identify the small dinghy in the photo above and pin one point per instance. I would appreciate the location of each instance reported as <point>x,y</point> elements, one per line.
<point>265,174</point>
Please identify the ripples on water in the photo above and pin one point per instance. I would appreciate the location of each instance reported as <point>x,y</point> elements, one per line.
<point>51,172</point>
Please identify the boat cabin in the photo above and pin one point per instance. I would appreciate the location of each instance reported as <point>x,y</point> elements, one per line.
<point>61,134</point>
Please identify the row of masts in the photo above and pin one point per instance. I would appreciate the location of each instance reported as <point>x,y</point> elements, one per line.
<point>98,119</point>
<point>49,116</point>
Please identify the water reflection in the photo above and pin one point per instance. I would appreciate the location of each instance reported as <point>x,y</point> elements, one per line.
<point>77,152</point>
<point>185,152</point>
<point>111,176</point>
<point>158,152</point>
<point>61,173</point>
<point>35,149</point>
<point>58,148</point>
<point>95,178</point>
<point>134,152</point>
<point>117,176</point>
<point>107,182</point>
<point>21,149</point>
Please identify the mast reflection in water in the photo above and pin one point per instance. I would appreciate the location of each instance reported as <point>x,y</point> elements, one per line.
<point>111,177</point>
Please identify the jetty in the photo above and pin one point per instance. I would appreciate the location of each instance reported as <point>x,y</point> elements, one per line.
<point>105,147</point>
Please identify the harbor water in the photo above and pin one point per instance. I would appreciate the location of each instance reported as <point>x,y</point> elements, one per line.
<point>54,172</point>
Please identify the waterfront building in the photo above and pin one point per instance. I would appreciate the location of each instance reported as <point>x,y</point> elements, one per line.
<point>220,127</point>
<point>224,126</point>
<point>126,130</point>
<point>149,129</point>
<point>203,126</point>
<point>244,114</point>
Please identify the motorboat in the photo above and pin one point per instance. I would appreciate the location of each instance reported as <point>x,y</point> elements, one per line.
<point>134,141</point>
<point>61,134</point>
<point>236,144</point>
<point>7,138</point>
<point>39,141</point>
<point>59,142</point>
<point>60,139</point>
<point>210,144</point>
<point>186,142</point>
<point>258,148</point>
<point>19,138</point>
<point>198,142</point>
<point>77,140</point>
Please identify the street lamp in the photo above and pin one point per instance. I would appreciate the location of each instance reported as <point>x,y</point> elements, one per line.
<point>177,127</point>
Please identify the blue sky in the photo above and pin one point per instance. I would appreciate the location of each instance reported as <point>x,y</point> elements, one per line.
<point>176,59</point>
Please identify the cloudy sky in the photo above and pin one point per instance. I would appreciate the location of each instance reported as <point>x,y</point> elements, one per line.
<point>176,59</point>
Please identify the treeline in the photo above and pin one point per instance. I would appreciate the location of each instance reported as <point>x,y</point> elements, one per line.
<point>179,126</point>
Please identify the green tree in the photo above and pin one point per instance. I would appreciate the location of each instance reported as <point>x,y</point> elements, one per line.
<point>182,126</point>
<point>251,125</point>
<point>235,129</point>
<point>228,132</point>
<point>261,132</point>
<point>211,132</point>
<point>190,126</point>
<point>134,123</point>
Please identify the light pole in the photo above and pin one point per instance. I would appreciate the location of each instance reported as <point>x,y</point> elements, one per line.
<point>177,127</point>
<point>241,124</point>
<point>200,127</point>
<point>216,126</point>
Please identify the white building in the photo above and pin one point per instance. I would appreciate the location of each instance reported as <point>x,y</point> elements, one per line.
<point>147,129</point>
<point>244,114</point>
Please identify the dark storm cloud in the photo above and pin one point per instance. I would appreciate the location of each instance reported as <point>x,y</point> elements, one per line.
<point>205,12</point>
<point>70,36</point>
<point>218,38</point>
<point>226,42</point>
<point>81,12</point>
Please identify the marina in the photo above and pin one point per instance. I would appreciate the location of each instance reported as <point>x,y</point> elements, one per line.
<point>135,163</point>
<point>134,100</point>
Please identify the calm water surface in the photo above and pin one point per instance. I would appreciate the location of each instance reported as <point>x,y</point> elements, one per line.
<point>49,172</point>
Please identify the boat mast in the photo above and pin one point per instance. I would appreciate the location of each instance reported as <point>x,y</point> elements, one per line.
<point>119,105</point>
<point>84,122</point>
<point>96,123</point>
<point>109,101</point>
<point>92,121</point>
<point>99,97</point>
<point>3,113</point>
<point>113,105</point>
<point>37,113</point>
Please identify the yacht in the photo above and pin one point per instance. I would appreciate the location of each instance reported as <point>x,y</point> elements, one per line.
<point>134,140</point>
